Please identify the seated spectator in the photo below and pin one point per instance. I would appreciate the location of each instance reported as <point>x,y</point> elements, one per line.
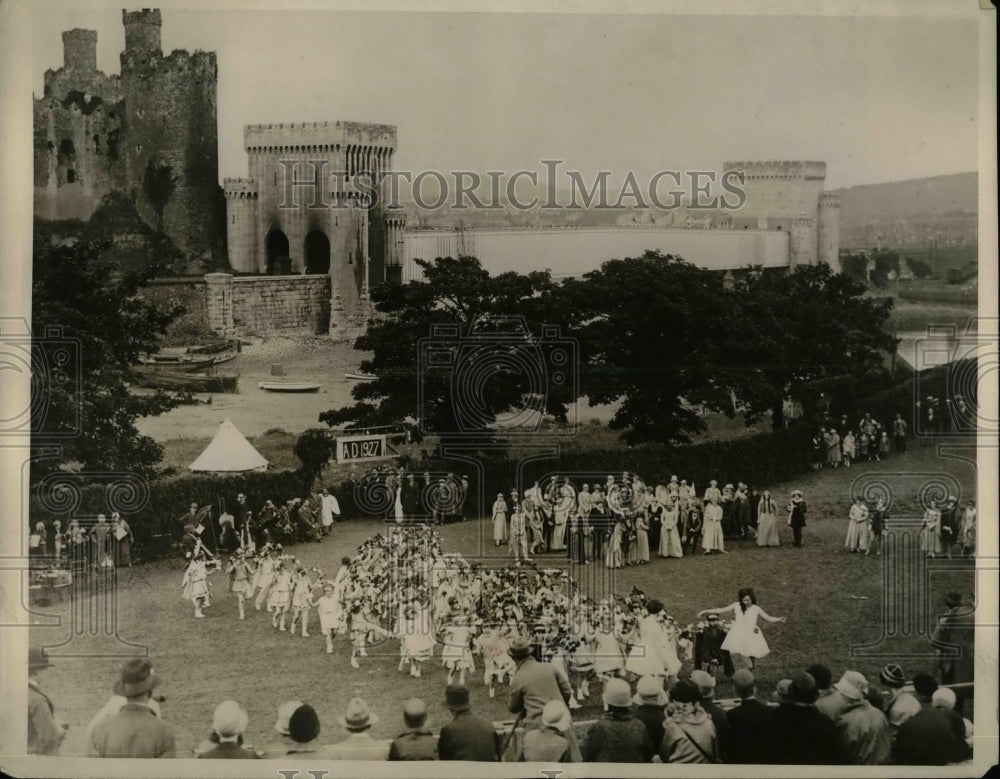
<point>829,701</point>
<point>899,705</point>
<point>229,722</point>
<point>688,731</point>
<point>417,743</point>
<point>650,701</point>
<point>617,737</point>
<point>945,699</point>
<point>549,744</point>
<point>358,721</point>
<point>468,736</point>
<point>865,734</point>
<point>800,734</point>
<point>749,722</point>
<point>924,684</point>
<point>928,738</point>
<point>303,729</point>
<point>113,706</point>
<point>706,687</point>
<point>135,731</point>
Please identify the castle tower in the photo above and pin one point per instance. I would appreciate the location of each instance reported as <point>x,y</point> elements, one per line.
<point>395,225</point>
<point>142,31</point>
<point>80,51</point>
<point>829,230</point>
<point>171,157</point>
<point>241,224</point>
<point>802,241</point>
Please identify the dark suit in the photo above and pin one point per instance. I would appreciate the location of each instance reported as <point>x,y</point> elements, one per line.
<point>229,750</point>
<point>468,737</point>
<point>721,726</point>
<point>651,715</point>
<point>749,725</point>
<point>802,735</point>
<point>414,745</point>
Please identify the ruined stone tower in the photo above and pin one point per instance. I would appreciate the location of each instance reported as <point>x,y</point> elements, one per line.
<point>150,133</point>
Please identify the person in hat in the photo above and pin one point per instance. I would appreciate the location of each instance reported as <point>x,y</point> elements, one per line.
<point>299,723</point>
<point>800,734</point>
<point>954,641</point>
<point>949,532</point>
<point>797,516</point>
<point>229,723</point>
<point>135,731</point>
<point>857,527</point>
<point>706,690</point>
<point>924,684</point>
<point>689,735</point>
<point>468,736</point>
<point>358,720</point>
<point>899,704</point>
<point>650,701</point>
<point>416,742</point>
<point>828,700</point>
<point>534,684</point>
<point>864,731</point>
<point>240,570</point>
<point>617,737</point>
<point>44,733</point>
<point>708,652</point>
<point>549,744</point>
<point>749,722</point>
<point>930,737</point>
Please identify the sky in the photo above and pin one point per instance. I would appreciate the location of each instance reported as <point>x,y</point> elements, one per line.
<point>877,98</point>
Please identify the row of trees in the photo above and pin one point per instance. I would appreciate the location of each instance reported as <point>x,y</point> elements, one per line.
<point>656,334</point>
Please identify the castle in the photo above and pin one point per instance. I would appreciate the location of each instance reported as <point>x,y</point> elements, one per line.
<point>150,133</point>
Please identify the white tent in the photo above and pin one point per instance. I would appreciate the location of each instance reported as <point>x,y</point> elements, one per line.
<point>229,452</point>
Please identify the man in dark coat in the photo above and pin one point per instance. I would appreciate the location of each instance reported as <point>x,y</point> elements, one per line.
<point>617,737</point>
<point>800,733</point>
<point>797,520</point>
<point>706,687</point>
<point>650,701</point>
<point>534,684</point>
<point>949,525</point>
<point>468,736</point>
<point>927,738</point>
<point>749,722</point>
<point>44,733</point>
<point>955,642</point>
<point>417,743</point>
<point>135,731</point>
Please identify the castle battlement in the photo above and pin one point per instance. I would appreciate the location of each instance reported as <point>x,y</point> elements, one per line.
<point>240,188</point>
<point>779,169</point>
<point>321,136</point>
<point>829,200</point>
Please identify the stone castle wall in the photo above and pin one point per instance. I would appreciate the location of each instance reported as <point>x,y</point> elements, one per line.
<point>278,305</point>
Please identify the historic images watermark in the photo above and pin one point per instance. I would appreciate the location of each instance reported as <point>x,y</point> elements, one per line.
<point>311,182</point>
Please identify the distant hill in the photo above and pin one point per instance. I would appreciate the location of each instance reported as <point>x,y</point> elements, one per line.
<point>909,212</point>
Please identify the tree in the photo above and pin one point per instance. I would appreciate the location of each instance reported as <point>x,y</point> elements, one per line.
<point>314,448</point>
<point>457,351</point>
<point>89,326</point>
<point>803,327</point>
<point>654,333</point>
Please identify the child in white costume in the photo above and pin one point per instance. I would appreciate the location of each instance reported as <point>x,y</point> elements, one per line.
<point>363,629</point>
<point>497,663</point>
<point>456,654</point>
<point>280,595</point>
<point>195,585</point>
<point>240,570</point>
<point>416,635</point>
<point>301,601</point>
<point>331,614</point>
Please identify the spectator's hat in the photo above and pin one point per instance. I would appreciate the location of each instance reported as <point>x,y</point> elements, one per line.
<point>358,716</point>
<point>892,675</point>
<point>943,698</point>
<point>821,674</point>
<point>953,598</point>
<point>229,719</point>
<point>803,688</point>
<point>685,691</point>
<point>743,678</point>
<point>137,677</point>
<point>704,680</point>
<point>555,715</point>
<point>649,690</point>
<point>37,659</point>
<point>456,697</point>
<point>520,647</point>
<point>285,712</point>
<point>852,685</point>
<point>303,725</point>
<point>783,692</point>
<point>617,693</point>
<point>924,684</point>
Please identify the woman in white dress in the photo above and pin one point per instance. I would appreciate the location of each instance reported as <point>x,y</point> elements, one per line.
<point>711,540</point>
<point>767,522</point>
<point>499,520</point>
<point>744,637</point>
<point>857,527</point>
<point>670,536</point>
<point>930,531</point>
<point>650,654</point>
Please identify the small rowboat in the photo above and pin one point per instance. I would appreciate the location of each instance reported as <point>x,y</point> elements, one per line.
<point>360,376</point>
<point>289,386</point>
<point>192,382</point>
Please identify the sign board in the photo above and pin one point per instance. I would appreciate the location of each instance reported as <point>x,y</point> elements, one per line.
<point>357,448</point>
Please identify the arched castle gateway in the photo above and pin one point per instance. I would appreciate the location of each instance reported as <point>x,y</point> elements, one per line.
<point>296,214</point>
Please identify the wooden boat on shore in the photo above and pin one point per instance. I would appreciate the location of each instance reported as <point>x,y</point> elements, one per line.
<point>157,378</point>
<point>192,358</point>
<point>360,376</point>
<point>289,386</point>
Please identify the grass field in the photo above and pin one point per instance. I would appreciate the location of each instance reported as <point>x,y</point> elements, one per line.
<point>833,600</point>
